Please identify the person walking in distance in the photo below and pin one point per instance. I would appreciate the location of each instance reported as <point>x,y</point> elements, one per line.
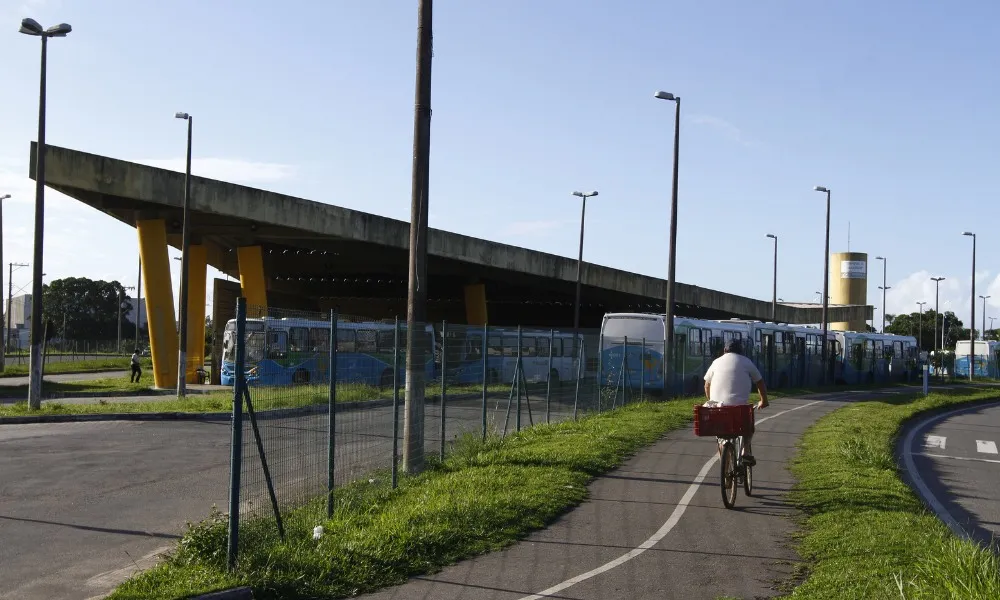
<point>136,368</point>
<point>729,381</point>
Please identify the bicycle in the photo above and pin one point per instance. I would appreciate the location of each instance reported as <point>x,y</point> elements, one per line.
<point>733,470</point>
<point>728,424</point>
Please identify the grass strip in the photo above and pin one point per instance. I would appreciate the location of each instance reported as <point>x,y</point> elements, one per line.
<point>483,497</point>
<point>264,398</point>
<point>866,533</point>
<point>112,363</point>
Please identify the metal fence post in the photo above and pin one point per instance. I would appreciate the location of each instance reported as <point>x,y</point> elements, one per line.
<point>444,379</point>
<point>395,403</point>
<point>579,374</point>
<point>486,334</point>
<point>600,369</point>
<point>642,372</point>
<point>548,388</point>
<point>236,450</point>
<point>517,380</point>
<point>668,389</point>
<point>332,417</point>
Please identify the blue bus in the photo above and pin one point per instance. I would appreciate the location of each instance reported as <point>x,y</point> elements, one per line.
<point>464,355</point>
<point>297,351</point>
<point>985,353</point>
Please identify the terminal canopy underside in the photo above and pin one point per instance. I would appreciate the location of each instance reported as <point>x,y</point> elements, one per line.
<point>317,256</point>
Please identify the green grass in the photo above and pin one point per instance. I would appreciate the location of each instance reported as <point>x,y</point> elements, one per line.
<point>866,533</point>
<point>483,497</point>
<point>263,398</point>
<point>112,363</point>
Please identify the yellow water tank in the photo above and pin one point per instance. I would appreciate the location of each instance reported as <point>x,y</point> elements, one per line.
<point>849,285</point>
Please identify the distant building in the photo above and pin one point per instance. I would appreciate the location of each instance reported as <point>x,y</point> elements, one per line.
<point>20,311</point>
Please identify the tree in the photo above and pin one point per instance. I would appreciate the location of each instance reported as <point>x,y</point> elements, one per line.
<point>910,325</point>
<point>88,308</point>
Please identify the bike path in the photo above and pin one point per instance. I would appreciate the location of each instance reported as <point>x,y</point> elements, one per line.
<point>656,527</point>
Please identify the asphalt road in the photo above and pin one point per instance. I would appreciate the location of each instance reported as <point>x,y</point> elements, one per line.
<point>655,528</point>
<point>82,505</point>
<point>952,461</point>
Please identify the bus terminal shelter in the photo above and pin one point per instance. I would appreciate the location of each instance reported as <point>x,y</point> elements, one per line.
<point>291,253</point>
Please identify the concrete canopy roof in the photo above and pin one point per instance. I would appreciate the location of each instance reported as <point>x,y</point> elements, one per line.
<point>315,250</point>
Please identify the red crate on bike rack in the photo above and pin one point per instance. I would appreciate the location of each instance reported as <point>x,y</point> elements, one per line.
<point>723,421</point>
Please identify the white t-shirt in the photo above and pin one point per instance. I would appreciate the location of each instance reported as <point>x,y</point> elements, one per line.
<point>732,376</point>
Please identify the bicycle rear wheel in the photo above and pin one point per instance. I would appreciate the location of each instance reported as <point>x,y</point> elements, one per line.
<point>728,474</point>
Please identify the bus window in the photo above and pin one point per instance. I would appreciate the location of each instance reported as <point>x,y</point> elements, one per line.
<point>298,339</point>
<point>694,342</point>
<point>779,342</point>
<point>543,346</point>
<point>346,340</point>
<point>474,347</point>
<point>387,341</point>
<point>509,345</point>
<point>367,340</point>
<point>527,345</point>
<point>557,347</point>
<point>494,348</point>
<point>319,340</point>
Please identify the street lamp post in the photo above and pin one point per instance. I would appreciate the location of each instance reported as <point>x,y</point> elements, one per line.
<point>983,333</point>
<point>31,27</point>
<point>920,327</point>
<point>937,310</point>
<point>774,281</point>
<point>883,288</point>
<point>3,350</point>
<point>185,248</point>
<point>579,260</point>
<point>972,320</point>
<point>672,265</point>
<point>826,280</point>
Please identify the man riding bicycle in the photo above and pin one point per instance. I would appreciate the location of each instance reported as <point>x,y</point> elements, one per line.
<point>728,382</point>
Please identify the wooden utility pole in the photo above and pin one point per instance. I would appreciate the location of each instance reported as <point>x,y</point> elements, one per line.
<point>416,301</point>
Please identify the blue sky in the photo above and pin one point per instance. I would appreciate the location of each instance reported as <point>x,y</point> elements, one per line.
<point>891,104</point>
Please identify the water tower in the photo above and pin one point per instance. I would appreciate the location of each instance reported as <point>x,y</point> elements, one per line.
<point>849,285</point>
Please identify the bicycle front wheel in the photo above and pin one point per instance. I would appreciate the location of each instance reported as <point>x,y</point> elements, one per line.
<point>728,475</point>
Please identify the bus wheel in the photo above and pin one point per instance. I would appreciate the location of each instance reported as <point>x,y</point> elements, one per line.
<point>386,379</point>
<point>554,377</point>
<point>494,376</point>
<point>300,376</point>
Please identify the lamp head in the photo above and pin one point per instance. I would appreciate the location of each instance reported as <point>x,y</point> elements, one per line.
<point>182,115</point>
<point>31,27</point>
<point>59,30</point>
<point>665,96</point>
<point>879,258</point>
<point>968,233</point>
<point>771,235</point>
<point>5,196</point>
<point>820,188</point>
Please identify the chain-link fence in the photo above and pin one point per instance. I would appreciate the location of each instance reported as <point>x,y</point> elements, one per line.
<point>290,451</point>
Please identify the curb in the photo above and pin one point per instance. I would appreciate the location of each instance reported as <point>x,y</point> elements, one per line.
<point>279,413</point>
<point>240,593</point>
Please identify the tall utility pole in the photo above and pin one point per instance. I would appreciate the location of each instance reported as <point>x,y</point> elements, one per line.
<point>416,300</point>
<point>182,310</point>
<point>826,284</point>
<point>10,296</point>
<point>121,301</point>
<point>937,309</point>
<point>31,27</point>
<point>668,362</point>
<point>3,351</point>
<point>579,259</point>
<point>972,319</point>
<point>920,327</point>
<point>138,297</point>
<point>774,281</point>
<point>885,265</point>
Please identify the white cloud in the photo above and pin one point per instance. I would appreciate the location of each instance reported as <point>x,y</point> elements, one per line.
<point>723,126</point>
<point>227,169</point>
<point>526,228</point>
<point>955,295</point>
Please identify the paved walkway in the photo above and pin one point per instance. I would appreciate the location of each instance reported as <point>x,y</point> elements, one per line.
<point>656,528</point>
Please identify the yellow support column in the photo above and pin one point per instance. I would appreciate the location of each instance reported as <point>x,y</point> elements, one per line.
<point>252,279</point>
<point>159,301</point>
<point>197,272</point>
<point>475,304</point>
